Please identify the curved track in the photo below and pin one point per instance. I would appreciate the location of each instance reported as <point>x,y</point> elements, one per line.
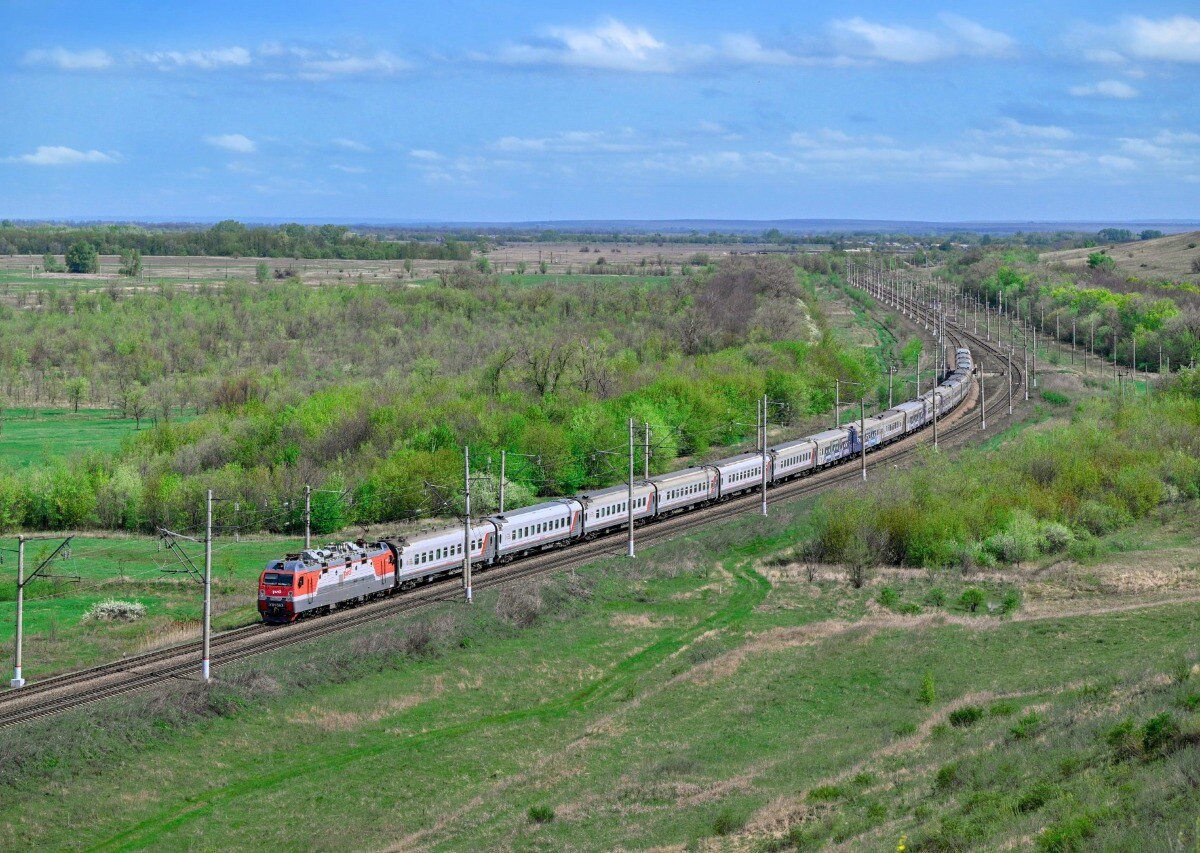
<point>59,693</point>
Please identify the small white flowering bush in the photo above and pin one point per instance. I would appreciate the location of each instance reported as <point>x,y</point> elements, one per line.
<point>115,611</point>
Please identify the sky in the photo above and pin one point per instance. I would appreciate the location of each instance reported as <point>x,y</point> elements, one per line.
<point>484,111</point>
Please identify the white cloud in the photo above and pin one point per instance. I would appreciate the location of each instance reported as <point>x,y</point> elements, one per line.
<point>611,46</point>
<point>1012,127</point>
<point>349,170</point>
<point>425,154</point>
<point>748,50</point>
<point>868,40</point>
<point>202,60</point>
<point>1174,39</point>
<point>1110,161</point>
<point>58,57</point>
<point>337,63</point>
<point>573,142</point>
<point>351,145</point>
<point>233,142</point>
<point>60,155</point>
<point>1105,89</point>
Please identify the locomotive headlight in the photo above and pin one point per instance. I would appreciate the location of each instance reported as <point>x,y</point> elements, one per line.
<point>289,596</point>
<point>262,595</point>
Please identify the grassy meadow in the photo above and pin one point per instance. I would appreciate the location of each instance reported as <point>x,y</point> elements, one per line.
<point>32,435</point>
<point>708,692</point>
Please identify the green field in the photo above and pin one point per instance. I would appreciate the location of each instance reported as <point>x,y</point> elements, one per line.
<point>33,435</point>
<point>128,569</point>
<point>700,691</point>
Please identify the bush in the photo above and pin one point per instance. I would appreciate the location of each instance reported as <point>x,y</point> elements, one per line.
<point>1011,602</point>
<point>115,611</point>
<point>519,605</point>
<point>936,597</point>
<point>972,599</point>
<point>1067,835</point>
<point>826,792</point>
<point>1055,398</point>
<point>966,716</point>
<point>1055,538</point>
<point>947,776</point>
<point>1099,518</point>
<point>1027,727</point>
<point>540,814</point>
<point>1036,796</point>
<point>1002,708</point>
<point>1123,740</point>
<point>727,823</point>
<point>928,694</point>
<point>1159,733</point>
<point>888,597</point>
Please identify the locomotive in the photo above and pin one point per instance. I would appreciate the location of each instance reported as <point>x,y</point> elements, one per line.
<point>345,574</point>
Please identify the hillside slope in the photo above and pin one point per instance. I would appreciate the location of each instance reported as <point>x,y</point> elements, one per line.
<point>1162,258</point>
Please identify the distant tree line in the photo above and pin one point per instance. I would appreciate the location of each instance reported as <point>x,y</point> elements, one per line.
<point>227,239</point>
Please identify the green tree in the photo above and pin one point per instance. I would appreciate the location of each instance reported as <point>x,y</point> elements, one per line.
<point>543,266</point>
<point>82,257</point>
<point>1150,234</point>
<point>50,263</point>
<point>928,689</point>
<point>1099,260</point>
<point>973,598</point>
<point>262,272</point>
<point>77,389</point>
<point>131,263</point>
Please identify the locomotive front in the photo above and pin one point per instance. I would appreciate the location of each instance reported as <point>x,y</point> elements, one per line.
<point>276,593</point>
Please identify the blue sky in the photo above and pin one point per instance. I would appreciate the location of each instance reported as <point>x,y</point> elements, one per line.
<point>489,111</point>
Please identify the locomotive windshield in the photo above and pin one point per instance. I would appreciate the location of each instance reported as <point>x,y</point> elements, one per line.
<point>276,579</point>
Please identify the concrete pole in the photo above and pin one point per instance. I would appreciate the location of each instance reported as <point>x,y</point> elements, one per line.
<point>307,517</point>
<point>18,680</point>
<point>1025,349</point>
<point>837,403</point>
<point>1010,410</point>
<point>467,523</point>
<point>891,373</point>
<point>503,455</point>
<point>1035,337</point>
<point>204,661</point>
<point>646,454</point>
<point>631,487</point>
<point>764,455</point>
<point>237,535</point>
<point>982,398</point>
<point>935,408</point>
<point>862,434</point>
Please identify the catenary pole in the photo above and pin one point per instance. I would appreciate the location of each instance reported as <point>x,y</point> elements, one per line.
<point>646,454</point>
<point>982,397</point>
<point>1010,410</point>
<point>763,451</point>
<point>467,522</point>
<point>630,487</point>
<point>18,680</point>
<point>307,517</point>
<point>208,552</point>
<point>503,455</point>
<point>862,434</point>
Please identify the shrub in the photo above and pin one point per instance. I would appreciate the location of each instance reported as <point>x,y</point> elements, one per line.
<point>727,823</point>
<point>968,715</point>
<point>1159,732</point>
<point>1011,602</point>
<point>1123,741</point>
<point>826,792</point>
<point>1181,669</point>
<point>1055,398</point>
<point>909,608</point>
<point>540,814</point>
<point>1055,538</point>
<point>946,777</point>
<point>928,693</point>
<point>972,598</point>
<point>1083,549</point>
<point>1002,708</point>
<point>1036,796</point>
<point>1027,727</point>
<point>1099,518</point>
<point>888,597</point>
<point>519,605</point>
<point>1067,835</point>
<point>936,597</point>
<point>115,611</point>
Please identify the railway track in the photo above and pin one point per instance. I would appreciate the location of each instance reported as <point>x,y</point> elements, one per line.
<point>71,690</point>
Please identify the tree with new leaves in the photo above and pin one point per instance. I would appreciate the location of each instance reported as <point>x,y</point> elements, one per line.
<point>131,263</point>
<point>262,272</point>
<point>82,257</point>
<point>77,390</point>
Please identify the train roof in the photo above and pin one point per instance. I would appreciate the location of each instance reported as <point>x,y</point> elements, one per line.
<point>829,434</point>
<point>612,490</point>
<point>544,506</point>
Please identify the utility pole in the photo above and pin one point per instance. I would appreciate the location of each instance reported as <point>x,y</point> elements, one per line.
<point>837,402</point>
<point>503,455</point>
<point>206,656</point>
<point>891,373</point>
<point>17,679</point>
<point>1010,410</point>
<point>983,397</point>
<point>467,520</point>
<point>646,454</point>
<point>862,431</point>
<point>1025,349</point>
<point>307,517</point>
<point>631,487</point>
<point>763,452</point>
<point>237,537</point>
<point>935,413</point>
<point>1035,337</point>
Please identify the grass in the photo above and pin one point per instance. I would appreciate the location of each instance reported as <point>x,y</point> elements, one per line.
<point>34,435</point>
<point>57,639</point>
<point>661,701</point>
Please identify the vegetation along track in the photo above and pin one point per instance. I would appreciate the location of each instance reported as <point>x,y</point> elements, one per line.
<point>71,690</point>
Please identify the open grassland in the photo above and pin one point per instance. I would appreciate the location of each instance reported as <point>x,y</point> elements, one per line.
<point>32,435</point>
<point>57,635</point>
<point>1168,258</point>
<point>713,691</point>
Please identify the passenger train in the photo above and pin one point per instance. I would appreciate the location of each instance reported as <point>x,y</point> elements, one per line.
<point>344,574</point>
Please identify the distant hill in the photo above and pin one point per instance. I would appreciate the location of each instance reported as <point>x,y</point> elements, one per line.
<point>1168,257</point>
